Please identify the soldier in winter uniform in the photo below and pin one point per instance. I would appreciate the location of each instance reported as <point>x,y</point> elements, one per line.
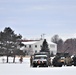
<point>68,61</point>
<point>21,59</point>
<point>31,58</point>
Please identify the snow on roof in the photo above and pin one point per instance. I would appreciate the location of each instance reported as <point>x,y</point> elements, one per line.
<point>50,42</point>
<point>33,42</point>
<point>29,42</point>
<point>40,55</point>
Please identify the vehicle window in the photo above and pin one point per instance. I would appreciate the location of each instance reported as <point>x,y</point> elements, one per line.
<point>40,56</point>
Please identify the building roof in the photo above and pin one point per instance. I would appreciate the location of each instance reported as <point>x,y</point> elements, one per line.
<point>32,42</point>
<point>50,42</point>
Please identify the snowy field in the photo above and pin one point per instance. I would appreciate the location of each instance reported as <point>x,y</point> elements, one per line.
<point>25,69</point>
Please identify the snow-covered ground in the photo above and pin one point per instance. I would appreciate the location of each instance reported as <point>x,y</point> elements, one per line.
<point>25,69</point>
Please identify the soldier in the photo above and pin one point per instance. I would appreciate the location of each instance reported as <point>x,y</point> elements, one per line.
<point>31,58</point>
<point>68,61</point>
<point>74,60</point>
<point>21,59</point>
<point>49,61</point>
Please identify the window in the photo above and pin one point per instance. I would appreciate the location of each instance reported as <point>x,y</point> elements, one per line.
<point>35,46</point>
<point>25,45</point>
<point>52,45</point>
<point>29,46</point>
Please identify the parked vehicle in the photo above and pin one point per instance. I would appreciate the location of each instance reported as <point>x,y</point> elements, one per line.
<point>41,59</point>
<point>62,59</point>
<point>57,61</point>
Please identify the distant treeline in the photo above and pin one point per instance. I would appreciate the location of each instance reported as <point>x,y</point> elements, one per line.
<point>68,45</point>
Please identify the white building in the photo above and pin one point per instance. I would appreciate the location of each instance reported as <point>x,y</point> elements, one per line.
<point>35,46</point>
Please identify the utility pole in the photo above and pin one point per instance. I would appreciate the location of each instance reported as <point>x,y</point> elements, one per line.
<point>43,36</point>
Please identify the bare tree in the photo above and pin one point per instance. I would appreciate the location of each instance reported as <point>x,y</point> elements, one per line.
<point>55,39</point>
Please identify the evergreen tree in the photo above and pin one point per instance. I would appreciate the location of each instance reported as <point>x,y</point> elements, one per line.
<point>45,47</point>
<point>9,42</point>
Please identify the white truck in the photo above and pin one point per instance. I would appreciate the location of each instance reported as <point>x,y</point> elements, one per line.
<point>41,59</point>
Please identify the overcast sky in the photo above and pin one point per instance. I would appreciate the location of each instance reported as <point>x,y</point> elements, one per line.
<point>31,18</point>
